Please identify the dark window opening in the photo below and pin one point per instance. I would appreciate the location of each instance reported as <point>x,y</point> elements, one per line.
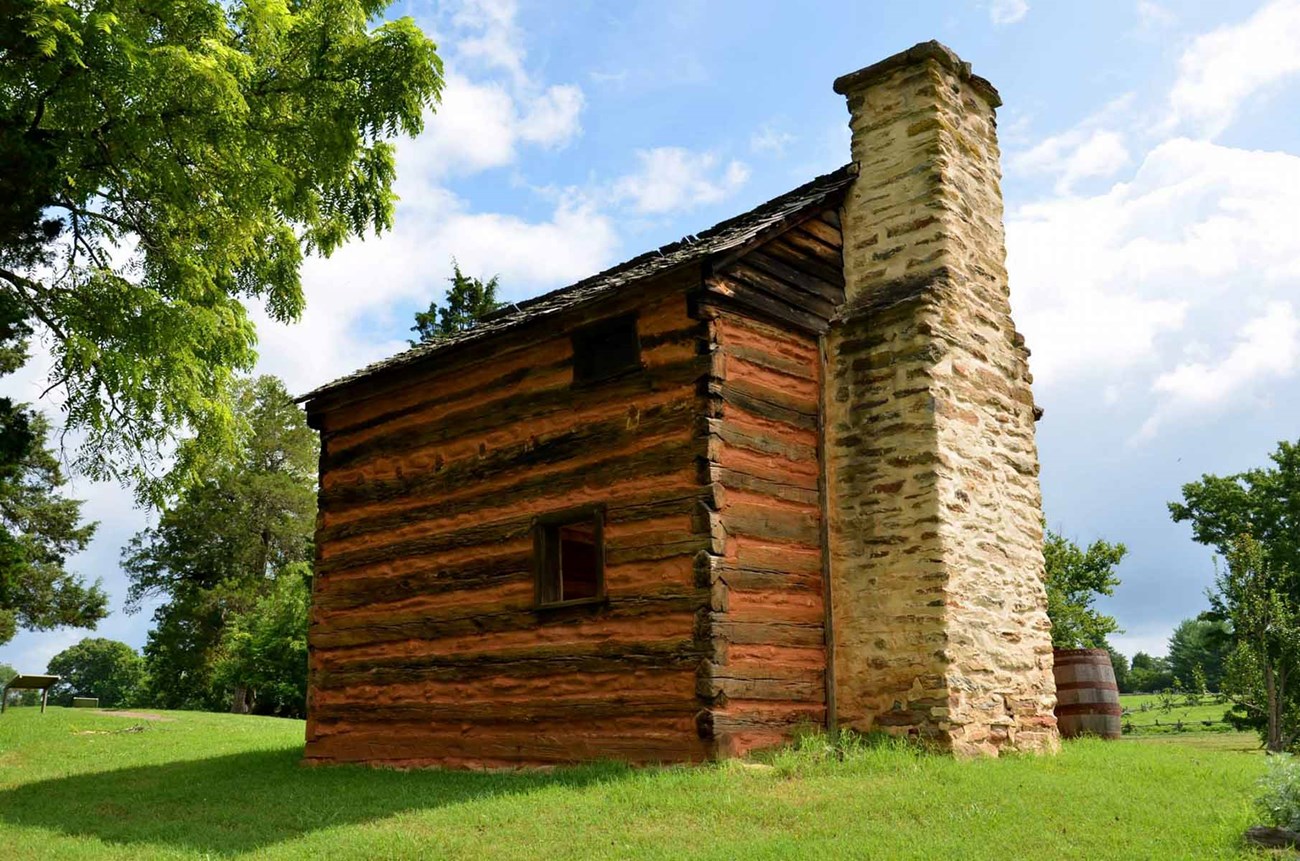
<point>570,557</point>
<point>608,349</point>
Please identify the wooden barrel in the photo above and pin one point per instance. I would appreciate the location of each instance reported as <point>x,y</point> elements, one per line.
<point>1087,698</point>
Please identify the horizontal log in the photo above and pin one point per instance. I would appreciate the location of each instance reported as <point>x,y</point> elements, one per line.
<point>518,663</point>
<point>829,254</point>
<point>519,408</point>
<point>759,580</point>
<point>831,292</point>
<point>772,361</point>
<point>335,594</point>
<point>777,686</point>
<point>764,404</point>
<point>775,522</point>
<point>810,256</point>
<point>610,704</point>
<point>729,292</point>
<point>824,232</point>
<point>536,489</point>
<point>669,739</point>
<point>657,301</point>
<point>779,288</point>
<point>770,633</point>
<point>731,478</point>
<point>733,434</point>
<point>341,631</point>
<point>588,444</point>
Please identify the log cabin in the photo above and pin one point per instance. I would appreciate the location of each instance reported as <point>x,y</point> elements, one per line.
<point>779,474</point>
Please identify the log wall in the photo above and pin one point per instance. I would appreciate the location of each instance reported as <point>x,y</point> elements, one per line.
<point>425,644</point>
<point>767,673</point>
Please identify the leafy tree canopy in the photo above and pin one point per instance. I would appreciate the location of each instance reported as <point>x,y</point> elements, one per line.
<point>163,162</point>
<point>265,648</point>
<point>468,301</point>
<point>1149,674</point>
<point>221,543</point>
<point>96,667</point>
<point>1200,643</point>
<point>1075,577</point>
<point>1263,503</point>
<point>1119,663</point>
<point>1253,592</point>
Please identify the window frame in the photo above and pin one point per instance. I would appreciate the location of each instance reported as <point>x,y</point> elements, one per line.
<point>546,573</point>
<point>582,336</point>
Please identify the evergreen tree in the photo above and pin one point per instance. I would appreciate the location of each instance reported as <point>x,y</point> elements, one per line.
<point>468,301</point>
<point>222,543</point>
<point>39,528</point>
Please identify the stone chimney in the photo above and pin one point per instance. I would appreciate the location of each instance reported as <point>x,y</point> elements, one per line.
<point>938,614</point>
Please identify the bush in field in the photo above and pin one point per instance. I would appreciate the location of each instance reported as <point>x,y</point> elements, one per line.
<point>1280,801</point>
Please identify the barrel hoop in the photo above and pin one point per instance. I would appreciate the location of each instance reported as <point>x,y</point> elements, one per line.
<point>1112,709</point>
<point>1080,653</point>
<point>1099,686</point>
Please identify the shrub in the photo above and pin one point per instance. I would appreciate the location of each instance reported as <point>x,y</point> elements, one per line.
<point>1280,802</point>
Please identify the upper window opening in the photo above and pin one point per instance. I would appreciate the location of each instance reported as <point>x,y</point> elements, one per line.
<point>608,349</point>
<point>570,557</point>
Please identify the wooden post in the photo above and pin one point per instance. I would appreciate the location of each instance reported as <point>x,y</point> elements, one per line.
<point>45,695</point>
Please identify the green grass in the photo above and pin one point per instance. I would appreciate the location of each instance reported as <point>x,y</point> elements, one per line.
<point>74,784</point>
<point>1157,720</point>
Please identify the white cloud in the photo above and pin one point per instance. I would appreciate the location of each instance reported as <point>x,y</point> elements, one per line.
<point>673,179</point>
<point>1008,11</point>
<point>770,140</point>
<point>475,128</point>
<point>551,119</point>
<point>1225,67</point>
<point>483,119</point>
<point>1100,281</point>
<point>1267,347</point>
<point>1153,16</point>
<point>1076,155</point>
<point>490,37</point>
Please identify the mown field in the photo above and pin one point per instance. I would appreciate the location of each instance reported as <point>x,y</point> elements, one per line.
<point>76,784</point>
<point>1145,715</point>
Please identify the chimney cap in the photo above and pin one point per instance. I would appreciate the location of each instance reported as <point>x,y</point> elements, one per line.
<point>916,55</point>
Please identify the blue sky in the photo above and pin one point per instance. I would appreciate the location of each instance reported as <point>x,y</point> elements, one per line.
<point>1151,163</point>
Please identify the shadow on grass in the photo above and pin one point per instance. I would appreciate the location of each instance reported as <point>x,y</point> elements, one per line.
<point>246,801</point>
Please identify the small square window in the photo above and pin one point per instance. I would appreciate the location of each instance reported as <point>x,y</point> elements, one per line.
<point>569,555</point>
<point>608,349</point>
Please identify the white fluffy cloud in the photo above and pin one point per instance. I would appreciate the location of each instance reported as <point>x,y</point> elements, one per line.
<point>1075,155</point>
<point>1267,347</point>
<point>1008,11</point>
<point>1099,280</point>
<point>673,178</point>
<point>1223,68</point>
<point>485,116</point>
<point>480,125</point>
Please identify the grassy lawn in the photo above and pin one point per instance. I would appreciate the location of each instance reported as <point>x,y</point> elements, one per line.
<point>76,784</point>
<point>1156,720</point>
